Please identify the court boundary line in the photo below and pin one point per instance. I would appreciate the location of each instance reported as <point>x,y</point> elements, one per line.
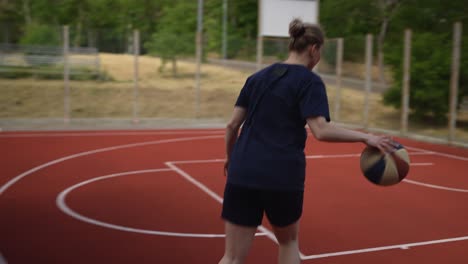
<point>374,249</point>
<point>204,188</point>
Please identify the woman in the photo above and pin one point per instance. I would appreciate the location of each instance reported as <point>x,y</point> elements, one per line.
<point>266,165</point>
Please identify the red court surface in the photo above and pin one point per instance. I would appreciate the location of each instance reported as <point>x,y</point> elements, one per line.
<point>155,197</point>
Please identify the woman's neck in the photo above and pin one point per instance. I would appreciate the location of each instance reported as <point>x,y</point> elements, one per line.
<point>298,59</point>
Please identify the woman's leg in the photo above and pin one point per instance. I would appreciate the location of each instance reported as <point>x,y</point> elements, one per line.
<point>284,210</point>
<point>288,243</point>
<point>238,242</point>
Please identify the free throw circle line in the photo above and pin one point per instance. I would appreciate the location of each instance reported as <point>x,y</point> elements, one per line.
<point>62,205</point>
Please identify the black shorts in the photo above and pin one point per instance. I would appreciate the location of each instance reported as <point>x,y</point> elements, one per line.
<point>245,206</point>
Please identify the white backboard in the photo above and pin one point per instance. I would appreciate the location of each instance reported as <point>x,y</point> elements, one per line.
<point>275,15</point>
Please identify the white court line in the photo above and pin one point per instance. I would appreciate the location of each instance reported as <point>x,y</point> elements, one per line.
<point>269,234</point>
<point>440,153</point>
<point>93,134</point>
<point>62,205</point>
<point>17,178</point>
<point>435,186</point>
<point>50,163</point>
<point>307,157</point>
<point>213,195</point>
<point>400,246</point>
<point>2,259</point>
<point>197,161</point>
<point>332,156</point>
<point>194,182</point>
<point>422,164</point>
<point>35,169</point>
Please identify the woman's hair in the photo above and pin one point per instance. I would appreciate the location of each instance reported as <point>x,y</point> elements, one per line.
<point>303,35</point>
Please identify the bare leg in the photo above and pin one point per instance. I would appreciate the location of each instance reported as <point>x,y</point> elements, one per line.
<point>288,243</point>
<point>238,242</point>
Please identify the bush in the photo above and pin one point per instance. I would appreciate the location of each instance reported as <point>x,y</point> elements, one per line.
<point>240,47</point>
<point>37,34</point>
<point>41,36</point>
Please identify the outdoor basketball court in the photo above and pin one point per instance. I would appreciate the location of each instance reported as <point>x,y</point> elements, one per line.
<point>155,197</point>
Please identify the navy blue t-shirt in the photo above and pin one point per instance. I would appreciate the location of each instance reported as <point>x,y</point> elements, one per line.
<point>269,153</point>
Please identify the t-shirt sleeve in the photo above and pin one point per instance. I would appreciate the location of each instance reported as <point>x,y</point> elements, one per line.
<point>243,99</point>
<point>314,101</point>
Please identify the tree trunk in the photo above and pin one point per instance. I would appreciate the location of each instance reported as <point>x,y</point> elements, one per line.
<point>380,52</point>
<point>79,27</point>
<point>77,40</point>
<point>129,39</point>
<point>27,12</point>
<point>6,33</point>
<point>91,38</point>
<point>388,8</point>
<point>163,65</point>
<point>174,67</point>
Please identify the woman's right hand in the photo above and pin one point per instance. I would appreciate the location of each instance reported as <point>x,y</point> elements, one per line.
<point>384,143</point>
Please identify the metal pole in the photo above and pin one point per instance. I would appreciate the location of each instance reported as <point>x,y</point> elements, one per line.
<point>259,36</point>
<point>259,52</point>
<point>369,39</point>
<point>405,95</point>
<point>317,66</point>
<point>224,48</point>
<point>98,65</point>
<point>199,56</point>
<point>457,31</point>
<point>66,74</point>
<point>339,62</point>
<point>318,12</point>
<point>136,54</point>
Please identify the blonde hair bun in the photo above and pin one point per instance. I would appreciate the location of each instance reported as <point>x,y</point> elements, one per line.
<point>296,28</point>
<point>304,34</point>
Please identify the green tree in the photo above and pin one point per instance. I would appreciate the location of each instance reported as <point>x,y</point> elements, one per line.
<point>431,56</point>
<point>175,32</point>
<point>351,20</point>
<point>344,18</point>
<point>37,34</point>
<point>10,21</point>
<point>175,36</point>
<point>432,25</point>
<point>242,28</point>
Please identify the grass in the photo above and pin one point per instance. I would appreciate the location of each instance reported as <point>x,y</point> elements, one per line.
<point>162,95</point>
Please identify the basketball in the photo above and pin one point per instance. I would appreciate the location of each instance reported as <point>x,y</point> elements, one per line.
<point>385,169</point>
